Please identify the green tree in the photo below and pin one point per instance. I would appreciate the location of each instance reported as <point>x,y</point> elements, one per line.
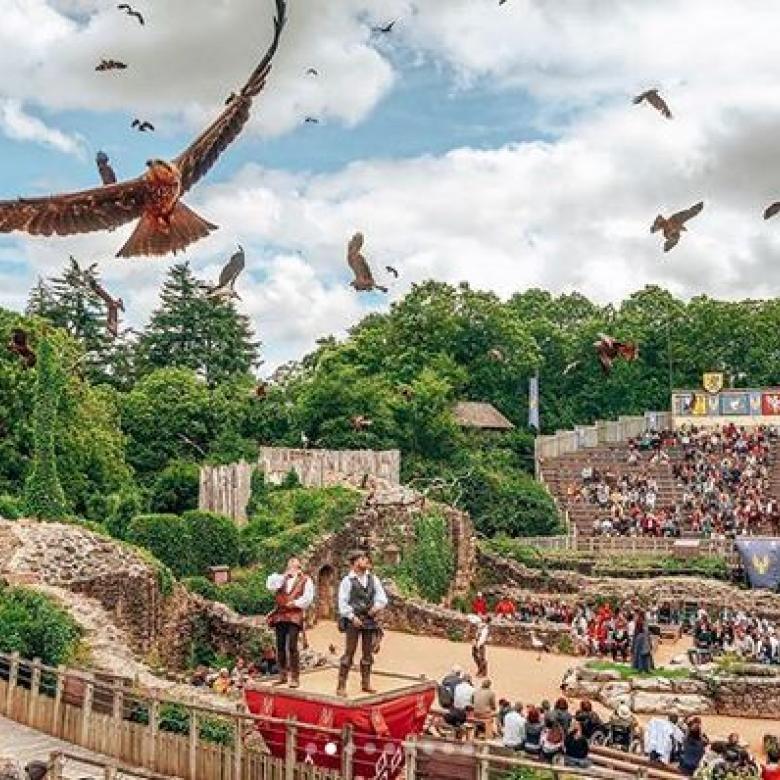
<point>43,493</point>
<point>215,540</point>
<point>190,331</point>
<point>175,489</point>
<point>430,562</point>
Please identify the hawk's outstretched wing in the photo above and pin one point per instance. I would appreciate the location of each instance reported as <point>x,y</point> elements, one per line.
<point>196,161</point>
<point>357,262</point>
<point>771,210</point>
<point>658,103</point>
<point>681,217</point>
<point>104,208</point>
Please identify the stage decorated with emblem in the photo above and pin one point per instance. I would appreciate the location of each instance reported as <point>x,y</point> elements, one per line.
<point>379,722</point>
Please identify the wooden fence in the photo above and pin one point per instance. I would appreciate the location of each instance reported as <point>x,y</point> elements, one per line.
<point>59,760</point>
<point>120,723</point>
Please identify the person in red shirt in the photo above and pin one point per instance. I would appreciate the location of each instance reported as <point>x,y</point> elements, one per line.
<point>479,605</point>
<point>505,608</point>
<point>771,770</point>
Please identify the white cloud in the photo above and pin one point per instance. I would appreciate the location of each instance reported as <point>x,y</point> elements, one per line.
<point>18,125</point>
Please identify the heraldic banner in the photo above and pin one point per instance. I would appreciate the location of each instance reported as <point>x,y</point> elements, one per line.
<point>761,559</point>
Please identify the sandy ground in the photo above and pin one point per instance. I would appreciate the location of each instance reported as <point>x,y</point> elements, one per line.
<point>515,674</point>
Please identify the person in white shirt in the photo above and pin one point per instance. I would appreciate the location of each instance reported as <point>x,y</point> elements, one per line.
<point>361,599</point>
<point>662,737</point>
<point>514,728</point>
<point>479,648</point>
<point>294,595</point>
<point>464,694</point>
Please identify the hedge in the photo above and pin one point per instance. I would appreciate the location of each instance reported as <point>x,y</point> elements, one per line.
<point>215,541</point>
<point>167,537</point>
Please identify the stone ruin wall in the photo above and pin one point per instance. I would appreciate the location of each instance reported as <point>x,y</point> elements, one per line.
<point>226,489</point>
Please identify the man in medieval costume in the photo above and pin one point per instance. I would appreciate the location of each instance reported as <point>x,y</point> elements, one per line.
<point>361,598</point>
<point>294,595</point>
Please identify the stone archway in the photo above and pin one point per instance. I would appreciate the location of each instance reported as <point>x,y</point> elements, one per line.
<point>326,593</point>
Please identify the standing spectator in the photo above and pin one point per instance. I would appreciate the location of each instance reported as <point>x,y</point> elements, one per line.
<point>514,729</point>
<point>641,646</point>
<point>479,648</point>
<point>485,707</point>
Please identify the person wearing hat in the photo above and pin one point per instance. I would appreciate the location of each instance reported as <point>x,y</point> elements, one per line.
<point>361,598</point>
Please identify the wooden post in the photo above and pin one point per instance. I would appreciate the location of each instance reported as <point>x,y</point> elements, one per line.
<point>483,763</point>
<point>13,676</point>
<point>154,718</point>
<point>109,773</point>
<point>86,712</point>
<point>193,769</point>
<point>410,748</point>
<point>238,748</point>
<point>57,763</point>
<point>56,710</point>
<point>348,753</point>
<point>290,753</point>
<point>35,692</point>
<point>117,717</point>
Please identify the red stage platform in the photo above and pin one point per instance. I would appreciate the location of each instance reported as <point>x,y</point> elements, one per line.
<point>379,722</point>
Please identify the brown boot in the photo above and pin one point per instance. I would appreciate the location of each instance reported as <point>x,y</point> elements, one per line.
<point>282,678</point>
<point>365,678</point>
<point>294,681</point>
<point>341,690</point>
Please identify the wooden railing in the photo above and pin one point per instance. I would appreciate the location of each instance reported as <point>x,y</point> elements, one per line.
<point>125,725</point>
<point>109,770</point>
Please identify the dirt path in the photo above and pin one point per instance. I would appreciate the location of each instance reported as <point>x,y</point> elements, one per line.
<point>515,674</point>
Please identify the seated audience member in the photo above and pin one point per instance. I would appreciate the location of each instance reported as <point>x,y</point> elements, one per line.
<point>457,717</point>
<point>463,694</point>
<point>223,682</point>
<point>693,748</point>
<point>562,715</point>
<point>268,665</point>
<point>577,747</point>
<point>663,738</point>
<point>533,732</point>
<point>479,606</point>
<point>588,719</point>
<point>514,728</point>
<point>552,739</point>
<point>505,608</point>
<point>446,690</point>
<point>199,676</point>
<point>771,770</point>
<point>504,705</point>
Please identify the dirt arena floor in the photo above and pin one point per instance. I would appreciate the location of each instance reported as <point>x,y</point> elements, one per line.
<point>515,674</point>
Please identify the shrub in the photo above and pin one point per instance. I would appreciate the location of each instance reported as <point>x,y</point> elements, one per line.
<point>175,490</point>
<point>291,480</point>
<point>430,561</point>
<point>167,537</point>
<point>43,494</point>
<point>215,540</point>
<point>258,493</point>
<point>202,586</point>
<point>247,594</point>
<point>10,507</point>
<point>35,627</point>
<point>121,508</point>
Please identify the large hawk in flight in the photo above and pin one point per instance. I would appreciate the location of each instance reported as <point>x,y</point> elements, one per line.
<point>166,224</point>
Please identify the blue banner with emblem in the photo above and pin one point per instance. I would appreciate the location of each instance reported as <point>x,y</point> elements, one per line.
<point>533,402</point>
<point>761,560</point>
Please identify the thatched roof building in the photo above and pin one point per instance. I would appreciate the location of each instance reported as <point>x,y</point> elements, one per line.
<point>475,414</point>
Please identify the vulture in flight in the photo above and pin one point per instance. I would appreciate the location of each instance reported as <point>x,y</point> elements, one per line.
<point>142,127</point>
<point>107,175</point>
<point>20,346</point>
<point>608,350</point>
<point>364,279</point>
<point>771,210</point>
<point>385,28</point>
<point>110,65</point>
<point>391,270</point>
<point>113,305</point>
<point>165,223</point>
<point>130,11</point>
<point>674,226</point>
<point>225,289</point>
<point>655,100</point>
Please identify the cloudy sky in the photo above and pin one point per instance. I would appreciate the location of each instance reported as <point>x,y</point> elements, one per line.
<point>494,144</point>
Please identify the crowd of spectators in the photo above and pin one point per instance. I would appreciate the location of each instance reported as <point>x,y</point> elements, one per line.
<point>225,681</point>
<point>752,639</point>
<point>721,476</point>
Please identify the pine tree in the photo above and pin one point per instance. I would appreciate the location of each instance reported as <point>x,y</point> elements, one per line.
<point>43,494</point>
<point>192,331</point>
<point>40,302</point>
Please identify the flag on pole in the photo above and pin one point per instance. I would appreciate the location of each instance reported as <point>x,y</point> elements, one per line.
<point>533,402</point>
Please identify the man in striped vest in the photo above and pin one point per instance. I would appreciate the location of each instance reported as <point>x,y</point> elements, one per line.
<point>361,599</point>
<point>294,595</point>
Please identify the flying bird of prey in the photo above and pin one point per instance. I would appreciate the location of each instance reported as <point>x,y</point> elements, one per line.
<point>608,350</point>
<point>142,127</point>
<point>384,29</point>
<point>260,390</point>
<point>364,279</point>
<point>107,175</point>
<point>391,270</point>
<point>165,223</point>
<point>225,288</point>
<point>311,120</point>
<point>360,423</point>
<point>20,346</point>
<point>652,97</point>
<point>110,65</point>
<point>312,72</point>
<point>113,305</point>
<point>674,226</point>
<point>501,2</point>
<point>130,11</point>
<point>772,209</point>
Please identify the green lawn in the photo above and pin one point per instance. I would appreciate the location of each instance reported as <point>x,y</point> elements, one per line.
<point>626,672</point>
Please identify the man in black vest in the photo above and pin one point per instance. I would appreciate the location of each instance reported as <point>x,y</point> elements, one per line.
<point>361,599</point>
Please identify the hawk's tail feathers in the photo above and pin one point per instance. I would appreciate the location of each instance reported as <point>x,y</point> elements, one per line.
<point>185,227</point>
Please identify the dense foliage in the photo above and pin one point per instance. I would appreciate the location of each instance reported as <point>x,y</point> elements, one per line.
<point>429,562</point>
<point>35,627</point>
<point>167,537</point>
